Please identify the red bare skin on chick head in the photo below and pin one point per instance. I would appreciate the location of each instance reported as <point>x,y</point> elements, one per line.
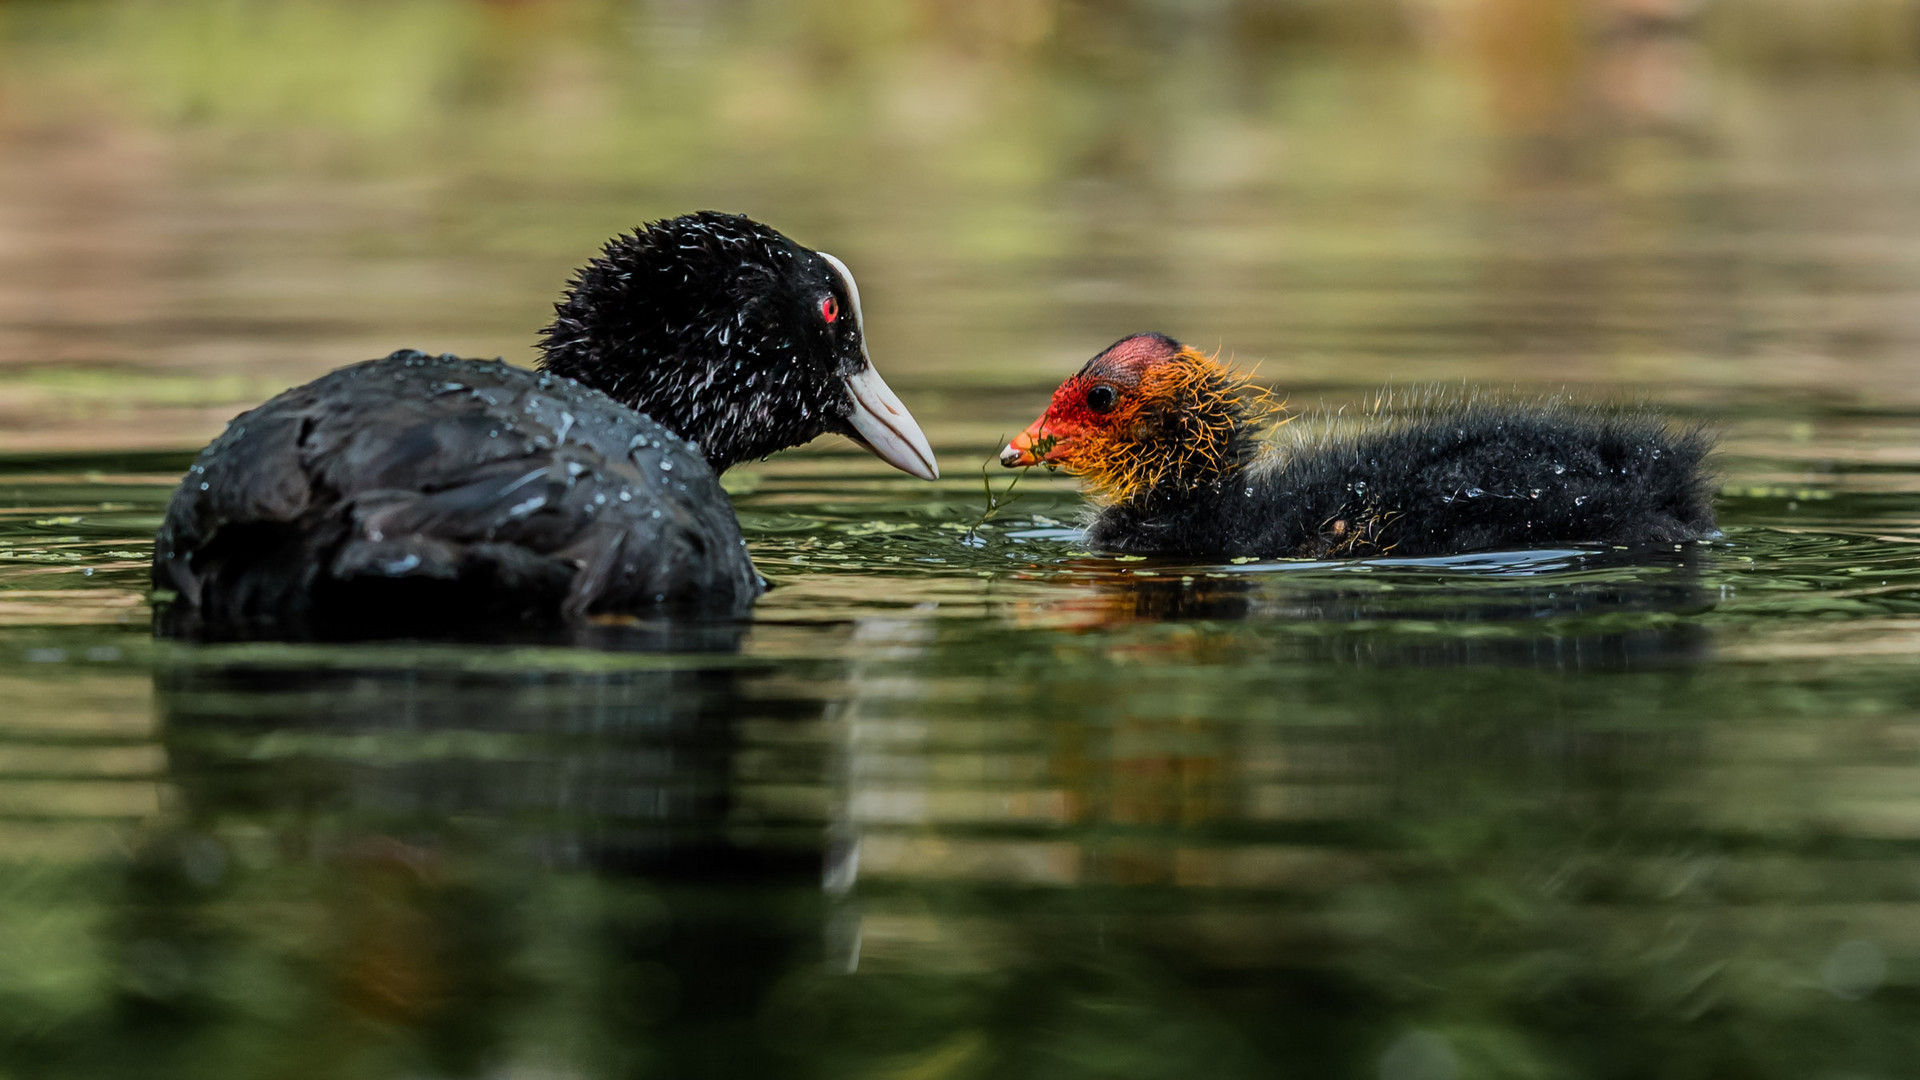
<point>1146,413</point>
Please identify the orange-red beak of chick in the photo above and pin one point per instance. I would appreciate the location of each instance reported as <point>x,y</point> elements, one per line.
<point>1020,450</point>
<point>1040,443</point>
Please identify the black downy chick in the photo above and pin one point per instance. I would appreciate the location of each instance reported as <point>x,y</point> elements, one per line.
<point>1171,441</point>
<point>421,494</point>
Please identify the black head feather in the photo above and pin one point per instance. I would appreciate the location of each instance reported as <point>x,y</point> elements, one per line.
<point>717,327</point>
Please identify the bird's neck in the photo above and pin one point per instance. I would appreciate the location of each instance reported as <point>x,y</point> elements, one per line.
<point>625,329</point>
<point>670,377</point>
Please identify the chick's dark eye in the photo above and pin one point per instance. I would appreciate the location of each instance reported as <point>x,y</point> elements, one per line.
<point>1100,398</point>
<point>830,310</point>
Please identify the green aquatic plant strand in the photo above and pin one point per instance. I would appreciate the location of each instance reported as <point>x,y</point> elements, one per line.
<point>1005,498</point>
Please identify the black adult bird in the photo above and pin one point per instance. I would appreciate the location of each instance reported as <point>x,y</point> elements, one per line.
<point>1171,441</point>
<point>417,492</point>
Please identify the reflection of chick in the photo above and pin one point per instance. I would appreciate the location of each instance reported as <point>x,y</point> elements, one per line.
<point>1171,439</point>
<point>390,966</point>
<point>422,954</point>
<point>1124,596</point>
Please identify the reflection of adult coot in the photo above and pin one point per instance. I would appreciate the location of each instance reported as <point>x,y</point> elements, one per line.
<point>482,836</point>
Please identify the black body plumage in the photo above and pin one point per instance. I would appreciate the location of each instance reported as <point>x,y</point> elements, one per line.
<point>1439,475</point>
<point>418,491</point>
<point>421,494</point>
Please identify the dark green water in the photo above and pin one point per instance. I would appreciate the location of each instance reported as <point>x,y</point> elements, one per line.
<point>975,803</point>
<point>986,810</point>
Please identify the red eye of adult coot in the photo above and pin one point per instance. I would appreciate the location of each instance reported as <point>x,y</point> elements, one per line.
<point>830,309</point>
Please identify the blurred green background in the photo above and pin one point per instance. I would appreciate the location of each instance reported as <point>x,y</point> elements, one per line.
<point>1555,816</point>
<point>203,201</point>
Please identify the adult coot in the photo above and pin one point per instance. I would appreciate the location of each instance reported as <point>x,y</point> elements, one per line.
<point>419,493</point>
<point>1172,442</point>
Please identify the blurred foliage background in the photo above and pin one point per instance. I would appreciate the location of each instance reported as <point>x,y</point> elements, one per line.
<point>202,201</point>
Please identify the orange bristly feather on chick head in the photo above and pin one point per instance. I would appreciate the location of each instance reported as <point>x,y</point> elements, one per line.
<point>1148,414</point>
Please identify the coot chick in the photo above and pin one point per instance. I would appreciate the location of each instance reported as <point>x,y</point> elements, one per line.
<point>420,494</point>
<point>1172,442</point>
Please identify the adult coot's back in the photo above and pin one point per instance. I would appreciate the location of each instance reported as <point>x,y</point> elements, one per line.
<point>427,494</point>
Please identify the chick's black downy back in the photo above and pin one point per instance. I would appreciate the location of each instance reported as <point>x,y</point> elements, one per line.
<point>1440,474</point>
